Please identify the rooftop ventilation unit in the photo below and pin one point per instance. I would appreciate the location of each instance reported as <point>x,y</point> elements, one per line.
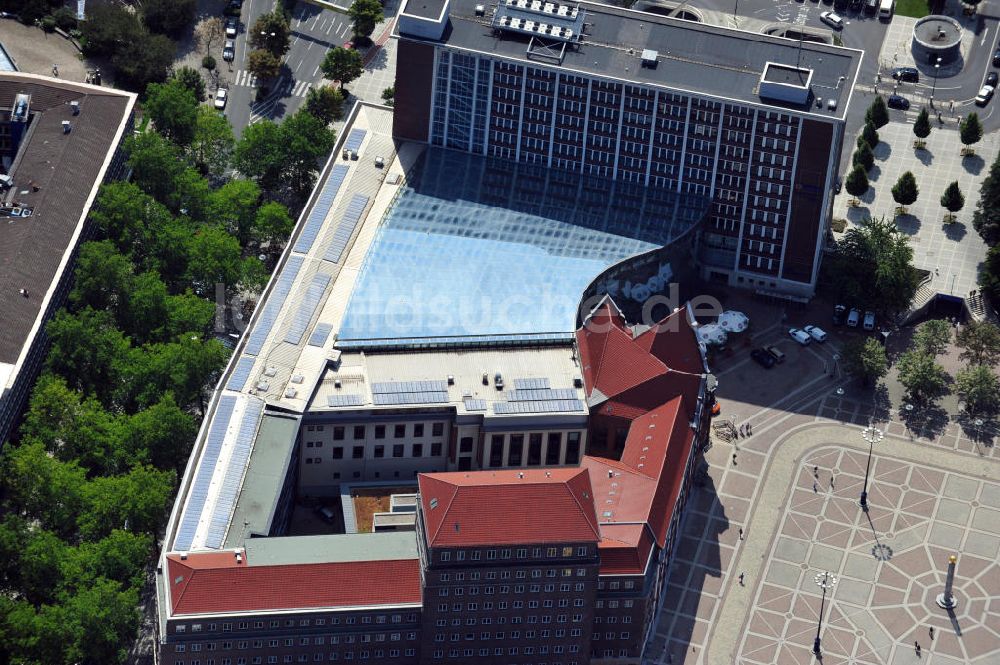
<point>786,83</point>
<point>75,107</point>
<point>649,58</point>
<point>480,10</point>
<point>290,393</point>
<point>451,379</point>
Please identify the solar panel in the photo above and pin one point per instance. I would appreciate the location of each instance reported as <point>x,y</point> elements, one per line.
<point>345,229</point>
<point>320,334</point>
<point>385,399</point>
<point>546,406</point>
<point>531,384</point>
<point>409,386</point>
<point>321,208</point>
<point>354,139</point>
<point>276,299</point>
<point>233,479</point>
<point>310,301</point>
<point>541,394</point>
<point>238,379</point>
<point>203,477</point>
<point>475,404</point>
<point>345,400</point>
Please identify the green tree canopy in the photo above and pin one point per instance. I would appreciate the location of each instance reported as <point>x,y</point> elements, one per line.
<point>932,337</point>
<point>365,15</point>
<point>272,224</point>
<point>905,191</point>
<point>865,358</point>
<point>864,156</point>
<point>191,79</point>
<point>135,501</point>
<point>128,217</point>
<point>978,389</point>
<point>923,378</point>
<point>87,350</point>
<point>215,257</point>
<point>102,274</point>
<point>107,26</point>
<point>183,367</point>
<point>922,125</point>
<point>172,107</point>
<point>168,17</point>
<point>857,181</point>
<point>980,343</point>
<point>263,64</point>
<point>986,219</point>
<point>260,152</point>
<point>342,64</point>
<point>271,33</point>
<point>326,103</point>
<point>143,61</point>
<point>307,140</point>
<point>970,130</point>
<point>870,135</point>
<point>43,488</point>
<point>952,199</point>
<point>155,163</point>
<point>234,205</point>
<point>162,434</point>
<point>877,113</point>
<point>212,145</point>
<point>989,275</point>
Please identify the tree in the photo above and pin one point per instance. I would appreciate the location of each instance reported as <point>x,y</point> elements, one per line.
<point>864,156</point>
<point>978,388</point>
<point>986,219</point>
<point>342,64</point>
<point>136,501</point>
<point>989,275</point>
<point>131,219</point>
<point>873,263</point>
<point>186,314</point>
<point>922,126</point>
<point>209,30</point>
<point>87,349</point>
<point>870,135</point>
<point>970,130</point>
<point>932,337</point>
<point>191,79</point>
<point>922,377</point>
<point>107,26</point>
<point>121,556</point>
<point>162,434</point>
<point>168,17</point>
<point>40,487</point>
<point>952,200</point>
<point>234,205</point>
<point>259,154</point>
<point>271,33</point>
<point>263,64</point>
<point>190,195</point>
<point>96,624</point>
<point>215,257</point>
<point>365,14</point>
<point>389,95</point>
<point>980,343</point>
<point>272,224</point>
<point>306,140</point>
<point>143,61</point>
<point>212,145</point>
<point>326,103</point>
<point>857,181</point>
<point>877,113</point>
<point>173,108</point>
<point>905,191</point>
<point>155,163</point>
<point>182,367</point>
<point>865,358</point>
<point>101,276</point>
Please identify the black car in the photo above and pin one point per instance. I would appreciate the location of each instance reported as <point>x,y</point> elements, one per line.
<point>233,8</point>
<point>909,74</point>
<point>839,315</point>
<point>856,5</point>
<point>991,79</point>
<point>898,102</point>
<point>763,358</point>
<point>996,58</point>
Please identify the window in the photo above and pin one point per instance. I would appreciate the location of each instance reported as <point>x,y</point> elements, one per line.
<point>358,452</point>
<point>418,430</point>
<point>359,432</point>
<point>418,450</point>
<point>338,452</point>
<point>379,451</point>
<point>398,450</point>
<point>535,449</point>
<point>435,450</point>
<point>437,429</point>
<point>399,431</point>
<point>338,433</point>
<point>515,450</point>
<point>379,431</point>
<point>553,451</point>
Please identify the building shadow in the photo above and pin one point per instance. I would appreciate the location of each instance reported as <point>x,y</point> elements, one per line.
<point>973,164</point>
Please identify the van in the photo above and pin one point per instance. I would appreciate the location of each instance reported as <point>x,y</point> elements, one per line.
<point>325,513</point>
<point>854,318</point>
<point>885,8</point>
<point>776,353</point>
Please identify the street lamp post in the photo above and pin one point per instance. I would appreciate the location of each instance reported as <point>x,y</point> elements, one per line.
<point>872,435</point>
<point>824,581</point>
<point>937,66</point>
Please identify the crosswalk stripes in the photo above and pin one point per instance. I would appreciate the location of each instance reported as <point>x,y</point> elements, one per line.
<point>245,78</point>
<point>301,88</point>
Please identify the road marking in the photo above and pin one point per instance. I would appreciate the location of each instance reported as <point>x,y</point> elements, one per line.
<point>986,34</point>
<point>344,31</point>
<point>333,24</point>
<point>316,71</point>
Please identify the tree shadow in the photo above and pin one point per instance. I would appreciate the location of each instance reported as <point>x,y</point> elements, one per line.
<point>925,156</point>
<point>955,231</point>
<point>983,433</point>
<point>908,224</point>
<point>882,151</point>
<point>926,420</point>
<point>858,214</point>
<point>973,164</point>
<point>881,404</point>
<point>380,59</point>
<point>873,175</point>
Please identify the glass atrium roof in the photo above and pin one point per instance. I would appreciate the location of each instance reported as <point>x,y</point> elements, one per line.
<point>482,249</point>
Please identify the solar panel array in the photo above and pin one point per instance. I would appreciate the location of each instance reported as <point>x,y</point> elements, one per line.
<point>320,209</point>
<point>388,399</point>
<point>531,384</point>
<point>226,499</point>
<point>238,379</point>
<point>354,139</point>
<point>320,334</point>
<point>545,406</point>
<point>310,301</point>
<point>345,400</point>
<point>409,386</point>
<point>472,404</point>
<point>345,229</point>
<point>275,301</point>
<point>540,394</point>
<point>203,478</point>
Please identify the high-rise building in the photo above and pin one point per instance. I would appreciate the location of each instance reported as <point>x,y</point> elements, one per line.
<point>753,121</point>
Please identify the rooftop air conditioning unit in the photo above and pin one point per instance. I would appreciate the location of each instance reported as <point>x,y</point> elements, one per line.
<point>480,10</point>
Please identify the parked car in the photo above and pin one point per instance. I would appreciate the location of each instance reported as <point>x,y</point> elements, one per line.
<point>776,353</point>
<point>763,358</point>
<point>325,513</point>
<point>232,27</point>
<point>991,79</point>
<point>907,74</point>
<point>233,8</point>
<point>837,185</point>
<point>871,6</point>
<point>839,315</point>
<point>816,333</point>
<point>800,336</point>
<point>856,5</point>
<point>229,50</point>
<point>854,318</point>
<point>898,102</point>
<point>996,58</point>
<point>832,19</point>
<point>221,97</point>
<point>985,95</point>
<point>869,323</point>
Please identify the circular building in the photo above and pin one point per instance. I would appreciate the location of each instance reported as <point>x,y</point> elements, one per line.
<point>937,37</point>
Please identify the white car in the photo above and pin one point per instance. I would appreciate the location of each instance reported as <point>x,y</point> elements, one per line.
<point>232,27</point>
<point>833,20</point>
<point>869,323</point>
<point>800,336</point>
<point>816,333</point>
<point>221,97</point>
<point>985,95</point>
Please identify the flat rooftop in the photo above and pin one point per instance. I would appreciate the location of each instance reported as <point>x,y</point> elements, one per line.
<point>56,176</point>
<point>693,57</point>
<point>339,548</point>
<point>485,249</point>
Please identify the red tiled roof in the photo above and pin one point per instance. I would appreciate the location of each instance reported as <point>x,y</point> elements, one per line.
<point>674,342</point>
<point>624,549</point>
<point>205,584</point>
<point>508,507</point>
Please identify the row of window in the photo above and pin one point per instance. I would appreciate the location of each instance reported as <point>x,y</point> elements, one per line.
<point>519,553</point>
<point>305,658</point>
<point>399,431</point>
<point>398,450</point>
<point>511,651</point>
<point>228,626</point>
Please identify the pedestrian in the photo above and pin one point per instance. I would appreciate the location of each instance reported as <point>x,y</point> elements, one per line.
<point>741,578</point>
<point>831,481</point>
<point>55,70</point>
<point>815,472</point>
<point>734,459</point>
<point>741,431</point>
<point>931,631</point>
<point>951,106</point>
<point>916,647</point>
<point>749,429</point>
<point>741,538</point>
<point>815,487</point>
